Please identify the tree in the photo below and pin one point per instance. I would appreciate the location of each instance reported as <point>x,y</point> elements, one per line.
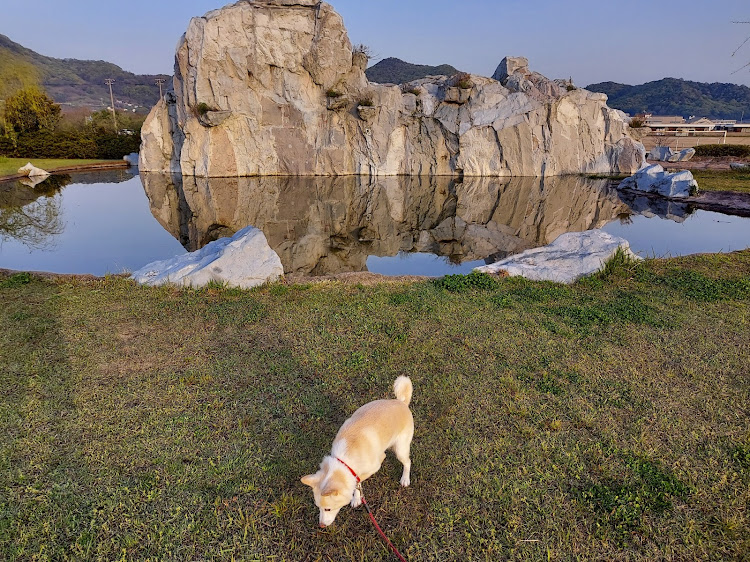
<point>30,110</point>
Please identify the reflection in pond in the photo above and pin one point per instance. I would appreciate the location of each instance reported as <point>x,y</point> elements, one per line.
<point>30,212</point>
<point>326,225</point>
<point>650,206</point>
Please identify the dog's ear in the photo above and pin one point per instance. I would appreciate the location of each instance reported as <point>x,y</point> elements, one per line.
<point>311,480</point>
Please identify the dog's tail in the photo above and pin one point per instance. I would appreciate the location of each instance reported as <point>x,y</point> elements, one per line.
<point>403,389</point>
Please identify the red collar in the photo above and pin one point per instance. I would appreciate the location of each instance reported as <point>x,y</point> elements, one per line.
<point>350,469</point>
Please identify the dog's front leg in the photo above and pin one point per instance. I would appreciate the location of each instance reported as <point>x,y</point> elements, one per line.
<point>357,497</point>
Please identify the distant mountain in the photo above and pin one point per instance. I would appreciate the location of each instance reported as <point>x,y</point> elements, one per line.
<point>74,82</point>
<point>672,96</point>
<point>396,71</point>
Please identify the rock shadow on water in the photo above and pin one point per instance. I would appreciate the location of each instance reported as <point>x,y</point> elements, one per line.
<point>330,225</point>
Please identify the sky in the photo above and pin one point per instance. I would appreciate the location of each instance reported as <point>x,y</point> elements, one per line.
<point>589,40</point>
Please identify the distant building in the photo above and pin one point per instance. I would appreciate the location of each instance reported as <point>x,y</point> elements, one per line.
<point>678,124</point>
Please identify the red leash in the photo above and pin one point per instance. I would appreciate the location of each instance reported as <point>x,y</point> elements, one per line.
<point>369,512</point>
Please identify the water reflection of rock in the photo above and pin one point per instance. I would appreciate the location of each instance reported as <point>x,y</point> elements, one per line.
<point>655,206</point>
<point>325,225</point>
<point>31,213</point>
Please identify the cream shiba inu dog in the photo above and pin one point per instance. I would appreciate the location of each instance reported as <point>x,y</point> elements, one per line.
<point>359,449</point>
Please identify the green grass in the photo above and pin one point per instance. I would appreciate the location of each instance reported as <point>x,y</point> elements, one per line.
<point>10,166</point>
<point>710,180</point>
<point>606,420</point>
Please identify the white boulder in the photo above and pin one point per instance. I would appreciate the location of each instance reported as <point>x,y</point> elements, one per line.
<point>654,179</point>
<point>244,261</point>
<point>682,155</point>
<point>567,259</point>
<point>660,154</point>
<point>739,167</point>
<point>32,171</point>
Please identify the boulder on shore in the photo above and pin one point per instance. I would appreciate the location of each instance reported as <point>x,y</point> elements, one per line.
<point>682,155</point>
<point>243,261</point>
<point>660,154</point>
<point>567,259</point>
<point>654,179</point>
<point>272,87</point>
<point>32,171</point>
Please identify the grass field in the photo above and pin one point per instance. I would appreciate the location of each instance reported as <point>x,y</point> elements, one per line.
<point>10,166</point>
<point>698,139</point>
<point>709,180</point>
<point>602,421</point>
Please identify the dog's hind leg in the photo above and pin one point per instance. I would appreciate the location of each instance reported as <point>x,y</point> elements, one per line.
<point>401,449</point>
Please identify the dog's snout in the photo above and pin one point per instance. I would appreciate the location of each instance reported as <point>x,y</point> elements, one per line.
<point>323,525</point>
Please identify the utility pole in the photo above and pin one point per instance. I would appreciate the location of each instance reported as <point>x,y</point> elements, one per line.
<point>109,82</point>
<point>160,81</point>
<point>5,123</point>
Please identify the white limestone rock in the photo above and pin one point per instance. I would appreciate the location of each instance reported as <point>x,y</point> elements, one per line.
<point>660,154</point>
<point>739,167</point>
<point>251,97</point>
<point>682,156</point>
<point>567,259</point>
<point>654,179</point>
<point>244,261</point>
<point>32,171</point>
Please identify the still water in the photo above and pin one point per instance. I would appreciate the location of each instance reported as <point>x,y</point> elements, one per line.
<point>110,222</point>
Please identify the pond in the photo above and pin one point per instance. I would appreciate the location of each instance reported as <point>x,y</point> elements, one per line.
<point>110,222</point>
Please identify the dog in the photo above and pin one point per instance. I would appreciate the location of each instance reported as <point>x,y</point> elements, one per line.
<point>359,449</point>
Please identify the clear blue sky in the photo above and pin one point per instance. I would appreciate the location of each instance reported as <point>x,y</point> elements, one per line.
<point>591,40</point>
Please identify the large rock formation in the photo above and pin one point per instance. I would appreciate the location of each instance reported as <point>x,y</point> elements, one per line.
<point>272,87</point>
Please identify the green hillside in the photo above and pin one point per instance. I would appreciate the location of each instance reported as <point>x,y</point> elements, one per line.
<point>74,82</point>
<point>396,71</point>
<point>672,96</point>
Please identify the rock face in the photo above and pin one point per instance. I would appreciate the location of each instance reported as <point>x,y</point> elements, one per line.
<point>654,179</point>
<point>272,87</point>
<point>567,259</point>
<point>329,225</point>
<point>244,261</point>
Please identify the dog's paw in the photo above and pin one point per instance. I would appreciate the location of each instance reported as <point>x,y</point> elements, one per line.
<point>405,481</point>
<point>356,501</point>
